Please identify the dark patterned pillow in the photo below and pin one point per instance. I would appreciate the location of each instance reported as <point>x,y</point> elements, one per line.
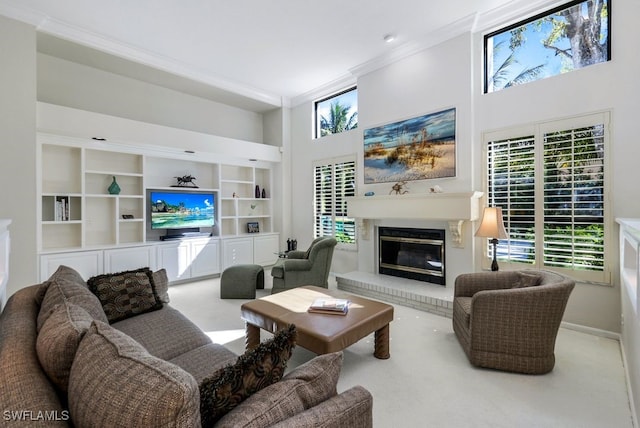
<point>254,370</point>
<point>126,294</point>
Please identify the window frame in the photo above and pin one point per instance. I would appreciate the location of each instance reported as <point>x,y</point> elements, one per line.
<point>538,130</point>
<point>317,131</point>
<point>529,20</point>
<point>332,162</point>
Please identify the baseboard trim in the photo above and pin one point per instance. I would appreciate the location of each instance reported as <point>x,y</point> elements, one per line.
<point>627,378</point>
<point>590,330</point>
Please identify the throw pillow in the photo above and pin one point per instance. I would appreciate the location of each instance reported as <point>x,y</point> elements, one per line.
<point>526,279</point>
<point>67,285</point>
<point>115,382</point>
<point>254,370</point>
<point>58,341</point>
<point>126,294</point>
<point>161,282</point>
<point>301,389</point>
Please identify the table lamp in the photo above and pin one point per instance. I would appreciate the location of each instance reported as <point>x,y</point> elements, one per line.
<point>491,226</point>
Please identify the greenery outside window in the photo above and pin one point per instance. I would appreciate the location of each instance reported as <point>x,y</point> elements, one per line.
<point>334,181</point>
<point>571,36</point>
<point>337,113</point>
<point>551,181</point>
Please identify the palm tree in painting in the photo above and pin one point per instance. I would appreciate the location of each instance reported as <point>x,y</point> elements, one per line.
<point>338,120</point>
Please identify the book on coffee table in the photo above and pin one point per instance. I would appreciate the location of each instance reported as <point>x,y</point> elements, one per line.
<point>330,306</point>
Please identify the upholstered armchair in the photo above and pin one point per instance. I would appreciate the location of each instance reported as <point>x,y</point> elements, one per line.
<point>309,267</point>
<point>509,320</point>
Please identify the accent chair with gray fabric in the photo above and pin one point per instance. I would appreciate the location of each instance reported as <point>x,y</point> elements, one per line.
<point>309,267</point>
<point>509,320</point>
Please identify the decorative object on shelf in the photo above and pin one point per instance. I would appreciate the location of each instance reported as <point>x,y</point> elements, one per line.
<point>492,226</point>
<point>292,244</point>
<point>252,210</point>
<point>114,188</point>
<point>436,189</point>
<point>399,188</point>
<point>369,194</point>
<point>234,195</point>
<point>257,191</point>
<point>419,148</point>
<point>127,216</point>
<point>253,227</point>
<point>264,193</point>
<point>185,181</point>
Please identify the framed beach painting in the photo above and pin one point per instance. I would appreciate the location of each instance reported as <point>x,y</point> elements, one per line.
<point>420,148</point>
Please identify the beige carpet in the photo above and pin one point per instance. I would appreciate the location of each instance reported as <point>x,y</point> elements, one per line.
<point>428,381</point>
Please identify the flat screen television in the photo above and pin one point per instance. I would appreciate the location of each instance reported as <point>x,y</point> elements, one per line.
<point>181,209</point>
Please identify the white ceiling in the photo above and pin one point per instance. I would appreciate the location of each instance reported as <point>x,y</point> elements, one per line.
<point>256,54</point>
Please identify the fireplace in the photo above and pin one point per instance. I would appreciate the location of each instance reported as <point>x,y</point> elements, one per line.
<point>412,253</point>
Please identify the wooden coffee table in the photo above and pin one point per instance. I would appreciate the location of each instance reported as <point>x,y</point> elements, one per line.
<point>319,333</point>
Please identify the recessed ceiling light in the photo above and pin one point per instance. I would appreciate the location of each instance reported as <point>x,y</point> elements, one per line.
<point>388,38</point>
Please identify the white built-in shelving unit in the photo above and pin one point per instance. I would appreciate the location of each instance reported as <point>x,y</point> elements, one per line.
<point>81,221</point>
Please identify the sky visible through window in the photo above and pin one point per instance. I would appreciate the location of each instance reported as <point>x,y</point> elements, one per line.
<point>545,47</point>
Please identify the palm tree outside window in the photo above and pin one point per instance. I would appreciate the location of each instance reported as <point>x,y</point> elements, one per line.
<point>337,113</point>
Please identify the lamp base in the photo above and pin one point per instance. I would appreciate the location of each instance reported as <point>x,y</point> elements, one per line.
<point>494,263</point>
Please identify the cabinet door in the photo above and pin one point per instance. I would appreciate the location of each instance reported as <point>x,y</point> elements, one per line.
<point>205,257</point>
<point>87,263</point>
<point>237,251</point>
<point>175,257</point>
<point>265,249</point>
<point>122,259</point>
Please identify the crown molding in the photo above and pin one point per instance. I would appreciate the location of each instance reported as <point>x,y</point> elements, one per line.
<point>48,25</point>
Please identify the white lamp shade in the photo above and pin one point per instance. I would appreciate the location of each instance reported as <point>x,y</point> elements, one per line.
<point>491,225</point>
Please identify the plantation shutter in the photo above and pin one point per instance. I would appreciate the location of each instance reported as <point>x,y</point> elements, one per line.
<point>511,186</point>
<point>323,200</point>
<point>333,183</point>
<point>551,181</point>
<point>574,198</point>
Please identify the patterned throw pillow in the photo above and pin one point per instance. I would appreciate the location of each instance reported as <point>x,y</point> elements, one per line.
<point>161,283</point>
<point>303,388</point>
<point>126,294</point>
<point>254,370</point>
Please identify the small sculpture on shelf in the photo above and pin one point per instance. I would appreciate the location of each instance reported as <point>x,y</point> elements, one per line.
<point>399,188</point>
<point>114,188</point>
<point>185,181</point>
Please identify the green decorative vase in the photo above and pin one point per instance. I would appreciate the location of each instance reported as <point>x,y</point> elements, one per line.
<point>114,189</point>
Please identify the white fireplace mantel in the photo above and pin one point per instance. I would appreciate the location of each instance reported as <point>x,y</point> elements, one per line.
<point>455,208</point>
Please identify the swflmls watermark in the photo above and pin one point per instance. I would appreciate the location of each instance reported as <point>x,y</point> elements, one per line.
<point>35,415</point>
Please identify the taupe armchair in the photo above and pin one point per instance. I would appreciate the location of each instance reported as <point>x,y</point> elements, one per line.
<point>509,320</point>
<point>309,267</point>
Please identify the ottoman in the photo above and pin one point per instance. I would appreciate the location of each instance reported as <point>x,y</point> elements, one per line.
<point>241,281</point>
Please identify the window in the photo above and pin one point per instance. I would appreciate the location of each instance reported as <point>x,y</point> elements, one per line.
<point>566,38</point>
<point>337,113</point>
<point>333,182</point>
<point>551,182</point>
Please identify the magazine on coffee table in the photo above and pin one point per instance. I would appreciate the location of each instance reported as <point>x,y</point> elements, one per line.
<point>330,306</point>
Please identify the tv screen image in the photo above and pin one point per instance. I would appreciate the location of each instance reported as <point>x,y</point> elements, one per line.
<point>181,209</point>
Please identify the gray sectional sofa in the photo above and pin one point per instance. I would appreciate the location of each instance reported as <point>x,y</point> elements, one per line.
<point>63,364</point>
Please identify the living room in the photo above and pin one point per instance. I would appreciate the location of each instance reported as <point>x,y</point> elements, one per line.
<point>42,88</point>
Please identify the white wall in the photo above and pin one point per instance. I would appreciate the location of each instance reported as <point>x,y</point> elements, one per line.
<point>18,148</point>
<point>74,85</point>
<point>449,75</point>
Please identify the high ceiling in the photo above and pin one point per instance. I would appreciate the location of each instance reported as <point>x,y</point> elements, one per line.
<point>261,53</point>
